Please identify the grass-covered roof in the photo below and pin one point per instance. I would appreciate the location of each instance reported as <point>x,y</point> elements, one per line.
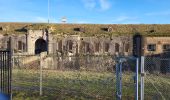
<point>88,29</point>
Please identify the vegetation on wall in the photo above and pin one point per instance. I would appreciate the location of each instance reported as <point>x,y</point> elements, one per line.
<point>89,29</point>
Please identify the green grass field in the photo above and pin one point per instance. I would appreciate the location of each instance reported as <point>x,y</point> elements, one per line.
<point>83,85</point>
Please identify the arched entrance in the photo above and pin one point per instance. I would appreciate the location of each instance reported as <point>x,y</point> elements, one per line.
<point>40,46</point>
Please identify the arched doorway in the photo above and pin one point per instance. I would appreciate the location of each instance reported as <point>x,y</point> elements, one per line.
<point>40,46</point>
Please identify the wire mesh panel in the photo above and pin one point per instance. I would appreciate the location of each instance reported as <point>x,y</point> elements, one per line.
<point>157,78</point>
<point>76,77</point>
<point>26,76</point>
<point>79,77</point>
<point>125,79</point>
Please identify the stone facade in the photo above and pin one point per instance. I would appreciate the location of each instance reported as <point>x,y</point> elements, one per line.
<point>157,44</point>
<point>36,41</point>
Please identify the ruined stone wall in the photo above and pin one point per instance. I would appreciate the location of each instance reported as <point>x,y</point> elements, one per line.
<point>72,44</point>
<point>115,45</point>
<point>32,36</point>
<point>158,41</point>
<point>18,42</point>
<point>93,45</point>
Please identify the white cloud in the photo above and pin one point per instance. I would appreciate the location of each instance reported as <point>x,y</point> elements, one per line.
<point>104,4</point>
<point>93,4</point>
<point>90,4</point>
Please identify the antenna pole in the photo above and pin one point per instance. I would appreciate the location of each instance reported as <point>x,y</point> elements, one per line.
<point>48,11</point>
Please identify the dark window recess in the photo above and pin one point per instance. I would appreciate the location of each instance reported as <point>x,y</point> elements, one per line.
<point>5,34</point>
<point>152,31</point>
<point>79,29</point>
<point>105,29</point>
<point>70,45</point>
<point>2,47</point>
<point>21,30</point>
<point>76,29</point>
<point>60,45</point>
<point>1,28</point>
<point>24,46</point>
<point>151,47</point>
<point>106,47</point>
<point>166,47</point>
<point>8,45</point>
<point>127,47</point>
<point>82,47</point>
<point>87,47</point>
<point>97,47</point>
<point>19,45</point>
<point>117,46</point>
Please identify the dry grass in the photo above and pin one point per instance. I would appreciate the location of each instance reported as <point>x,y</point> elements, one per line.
<point>84,85</point>
<point>92,29</point>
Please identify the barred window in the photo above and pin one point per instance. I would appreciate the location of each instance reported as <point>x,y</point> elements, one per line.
<point>151,47</point>
<point>166,47</point>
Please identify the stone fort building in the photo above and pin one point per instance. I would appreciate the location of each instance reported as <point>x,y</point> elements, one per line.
<point>83,39</point>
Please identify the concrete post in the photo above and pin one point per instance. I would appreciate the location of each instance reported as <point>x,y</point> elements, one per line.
<point>142,78</point>
<point>11,63</point>
<point>136,81</point>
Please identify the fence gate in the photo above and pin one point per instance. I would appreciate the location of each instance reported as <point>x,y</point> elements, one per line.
<point>127,78</point>
<point>5,72</point>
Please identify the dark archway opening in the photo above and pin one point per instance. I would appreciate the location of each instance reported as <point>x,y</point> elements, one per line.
<point>40,46</point>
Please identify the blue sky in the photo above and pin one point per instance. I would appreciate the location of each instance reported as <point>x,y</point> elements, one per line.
<point>87,11</point>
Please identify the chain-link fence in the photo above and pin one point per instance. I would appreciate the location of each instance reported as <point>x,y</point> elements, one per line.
<point>77,77</point>
<point>25,76</point>
<point>157,78</point>
<point>125,78</point>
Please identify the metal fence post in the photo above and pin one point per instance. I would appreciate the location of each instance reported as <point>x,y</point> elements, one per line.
<point>119,79</point>
<point>142,77</point>
<point>136,80</point>
<point>10,58</point>
<point>120,75</point>
<point>41,73</point>
<point>118,83</point>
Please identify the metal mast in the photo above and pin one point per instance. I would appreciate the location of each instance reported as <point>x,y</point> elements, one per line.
<point>48,11</point>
